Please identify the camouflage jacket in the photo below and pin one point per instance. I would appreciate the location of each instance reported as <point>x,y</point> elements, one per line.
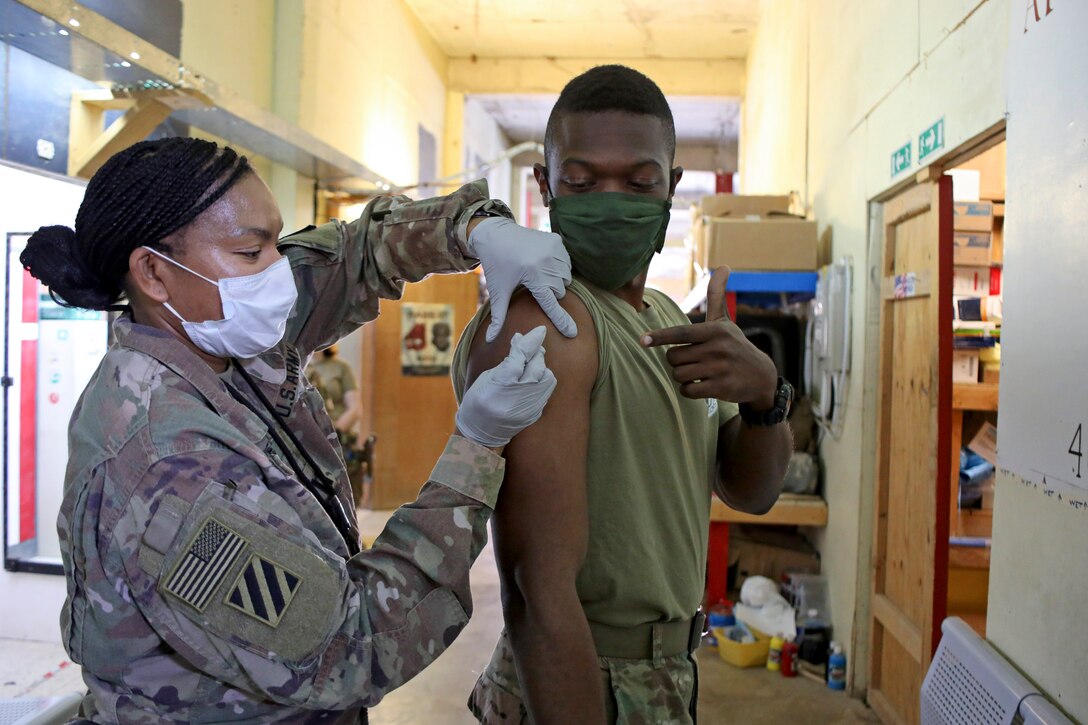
<point>205,583</point>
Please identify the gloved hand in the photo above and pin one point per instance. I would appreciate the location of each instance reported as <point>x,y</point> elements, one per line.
<point>509,397</point>
<point>512,255</point>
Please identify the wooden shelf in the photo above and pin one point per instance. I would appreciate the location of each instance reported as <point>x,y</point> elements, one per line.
<point>974,396</point>
<point>973,522</point>
<point>790,510</point>
<point>968,557</point>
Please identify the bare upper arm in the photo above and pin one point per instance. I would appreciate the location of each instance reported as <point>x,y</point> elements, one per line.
<point>541,521</point>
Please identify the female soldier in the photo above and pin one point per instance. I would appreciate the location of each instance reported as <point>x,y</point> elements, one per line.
<point>207,527</point>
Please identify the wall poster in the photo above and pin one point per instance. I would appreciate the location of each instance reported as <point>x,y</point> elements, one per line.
<point>426,335</point>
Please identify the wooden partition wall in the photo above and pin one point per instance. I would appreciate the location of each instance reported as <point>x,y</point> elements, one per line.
<point>412,416</point>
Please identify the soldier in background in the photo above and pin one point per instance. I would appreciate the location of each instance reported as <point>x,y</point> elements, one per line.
<point>212,559</point>
<point>335,382</point>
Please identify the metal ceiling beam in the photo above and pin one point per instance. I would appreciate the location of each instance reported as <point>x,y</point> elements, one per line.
<point>231,116</point>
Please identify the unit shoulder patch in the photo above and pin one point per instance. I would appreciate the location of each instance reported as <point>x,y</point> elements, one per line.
<point>263,590</point>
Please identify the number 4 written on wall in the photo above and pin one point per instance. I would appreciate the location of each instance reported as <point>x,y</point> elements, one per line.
<point>1075,449</point>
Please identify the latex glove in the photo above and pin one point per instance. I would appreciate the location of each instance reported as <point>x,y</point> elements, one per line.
<point>509,397</point>
<point>512,255</point>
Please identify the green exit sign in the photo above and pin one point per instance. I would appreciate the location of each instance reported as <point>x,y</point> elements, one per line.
<point>901,159</point>
<point>930,140</point>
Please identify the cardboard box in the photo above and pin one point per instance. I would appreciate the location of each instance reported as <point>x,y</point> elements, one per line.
<point>971,248</point>
<point>765,244</point>
<point>737,206</point>
<point>991,373</point>
<point>985,443</point>
<point>970,281</point>
<point>973,216</point>
<point>970,308</point>
<point>991,166</point>
<point>965,366</point>
<point>988,495</point>
<point>763,551</point>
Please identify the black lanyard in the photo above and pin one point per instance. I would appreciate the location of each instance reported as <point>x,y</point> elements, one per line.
<point>323,489</point>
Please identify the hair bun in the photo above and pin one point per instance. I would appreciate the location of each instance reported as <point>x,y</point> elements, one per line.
<point>52,256</point>
<point>58,235</point>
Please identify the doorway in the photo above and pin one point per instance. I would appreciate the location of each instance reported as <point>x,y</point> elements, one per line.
<point>939,265</point>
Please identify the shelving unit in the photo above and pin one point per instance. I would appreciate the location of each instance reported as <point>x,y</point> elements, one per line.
<point>791,509</point>
<point>970,529</point>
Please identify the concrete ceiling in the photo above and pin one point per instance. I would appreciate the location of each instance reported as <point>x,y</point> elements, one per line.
<point>604,29</point>
<point>704,121</point>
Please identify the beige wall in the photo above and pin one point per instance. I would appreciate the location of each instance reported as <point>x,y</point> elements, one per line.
<point>370,76</point>
<point>875,73</point>
<point>318,64</point>
<point>485,141</point>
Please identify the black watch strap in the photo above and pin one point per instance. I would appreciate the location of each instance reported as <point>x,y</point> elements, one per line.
<point>783,399</point>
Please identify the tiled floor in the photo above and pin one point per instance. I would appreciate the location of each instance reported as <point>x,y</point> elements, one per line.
<point>437,696</point>
<point>36,669</point>
<point>727,695</point>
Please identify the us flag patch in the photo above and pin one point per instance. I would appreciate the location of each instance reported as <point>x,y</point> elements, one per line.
<point>263,590</point>
<point>201,570</point>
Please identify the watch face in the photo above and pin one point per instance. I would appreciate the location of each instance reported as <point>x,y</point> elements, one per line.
<point>785,395</point>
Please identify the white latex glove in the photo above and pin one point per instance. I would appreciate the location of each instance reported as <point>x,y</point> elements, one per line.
<point>509,397</point>
<point>512,255</point>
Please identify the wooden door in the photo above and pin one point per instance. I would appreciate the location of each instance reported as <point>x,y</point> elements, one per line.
<point>910,535</point>
<point>412,416</point>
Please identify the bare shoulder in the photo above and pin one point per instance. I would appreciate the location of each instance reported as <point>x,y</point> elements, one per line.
<point>571,359</point>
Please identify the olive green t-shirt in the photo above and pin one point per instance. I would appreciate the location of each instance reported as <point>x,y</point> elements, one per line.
<point>650,468</point>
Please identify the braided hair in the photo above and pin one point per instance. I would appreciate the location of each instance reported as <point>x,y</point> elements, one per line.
<point>139,197</point>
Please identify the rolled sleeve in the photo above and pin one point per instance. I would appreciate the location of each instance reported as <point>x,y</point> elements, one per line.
<point>471,470</point>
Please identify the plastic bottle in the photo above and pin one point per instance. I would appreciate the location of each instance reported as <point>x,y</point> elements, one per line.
<point>836,668</point>
<point>789,659</point>
<point>774,655</point>
<point>723,608</point>
<point>716,622</point>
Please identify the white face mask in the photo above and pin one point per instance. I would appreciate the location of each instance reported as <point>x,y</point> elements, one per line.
<point>255,311</point>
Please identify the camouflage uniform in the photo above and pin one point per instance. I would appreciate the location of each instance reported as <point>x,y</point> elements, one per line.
<point>205,583</point>
<point>334,379</point>
<point>658,691</point>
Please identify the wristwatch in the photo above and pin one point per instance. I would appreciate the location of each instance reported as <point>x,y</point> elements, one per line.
<point>783,399</point>
<point>492,208</point>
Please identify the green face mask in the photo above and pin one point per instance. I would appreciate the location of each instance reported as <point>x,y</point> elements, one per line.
<point>610,236</point>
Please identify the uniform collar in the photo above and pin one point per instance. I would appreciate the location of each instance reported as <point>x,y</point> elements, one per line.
<point>270,366</point>
<point>185,363</point>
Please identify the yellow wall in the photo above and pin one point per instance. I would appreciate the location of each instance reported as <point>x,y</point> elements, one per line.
<point>370,76</point>
<point>260,64</point>
<point>318,63</point>
<point>877,73</point>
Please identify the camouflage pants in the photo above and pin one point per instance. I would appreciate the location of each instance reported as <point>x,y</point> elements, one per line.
<point>637,692</point>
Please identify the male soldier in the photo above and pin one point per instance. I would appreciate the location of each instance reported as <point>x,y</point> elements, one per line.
<point>601,532</point>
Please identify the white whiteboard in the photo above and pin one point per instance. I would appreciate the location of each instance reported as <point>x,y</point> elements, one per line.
<point>33,199</point>
<point>1044,350</point>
